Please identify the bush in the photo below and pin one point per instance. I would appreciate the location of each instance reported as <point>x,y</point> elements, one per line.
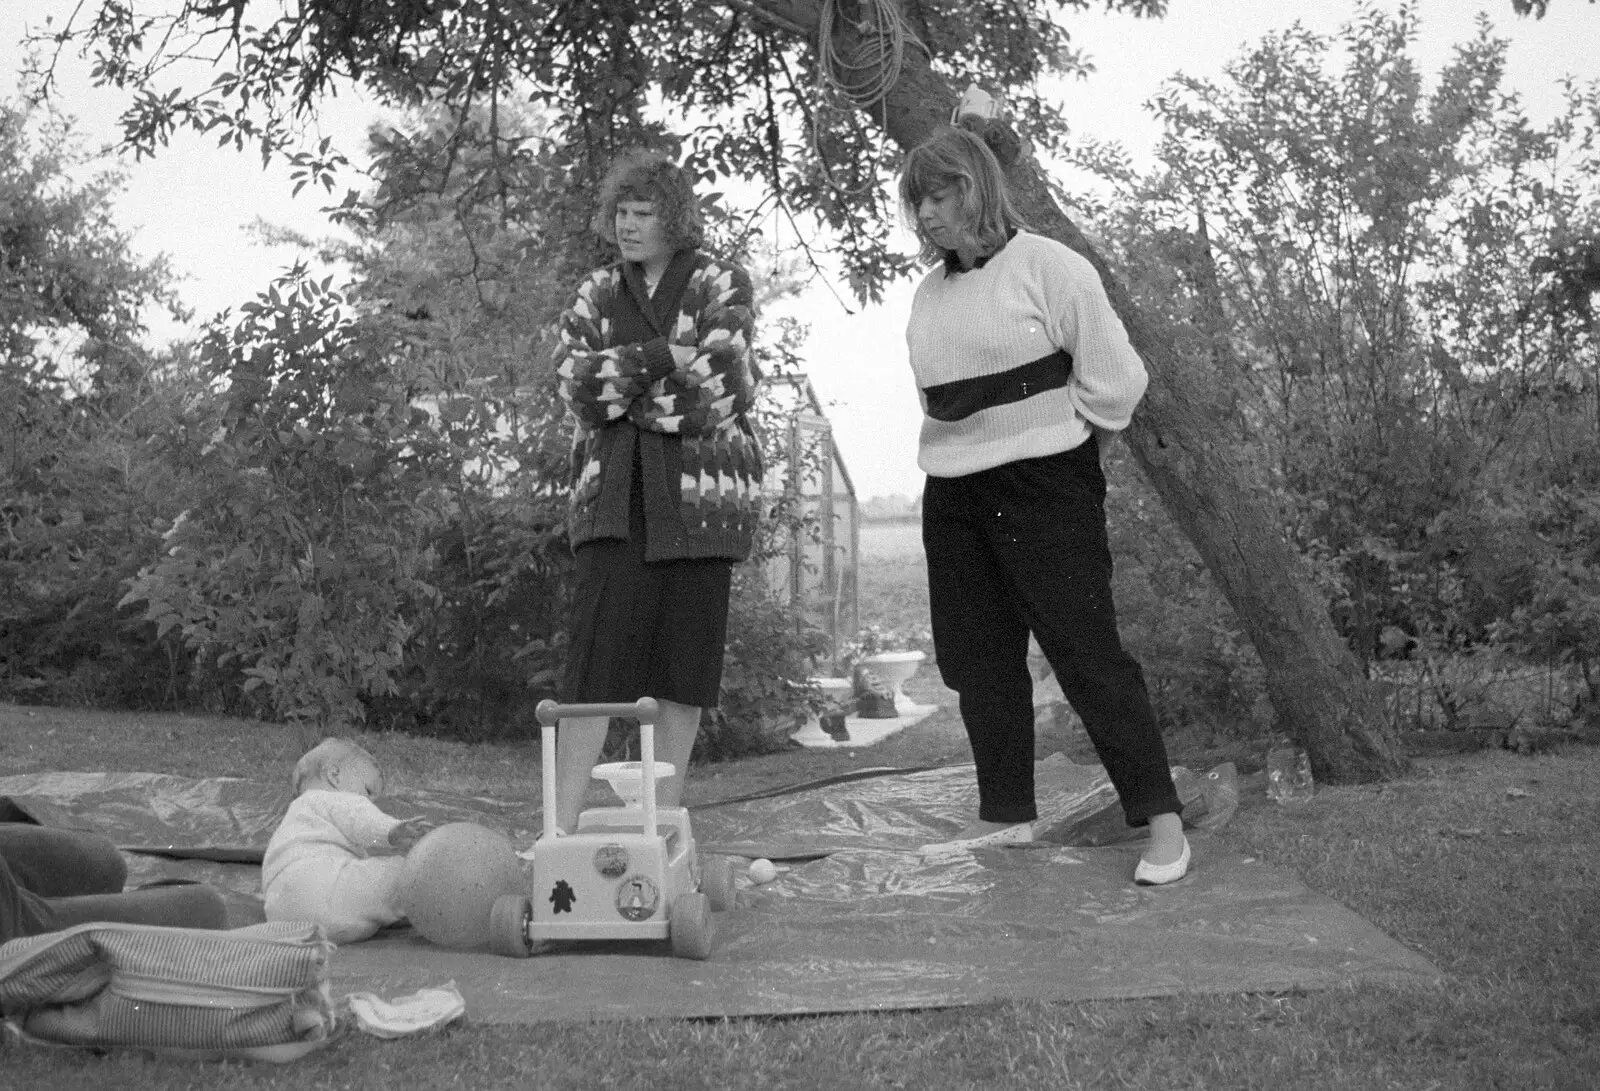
<point>84,503</point>
<point>1199,666</point>
<point>772,650</point>
<point>492,646</point>
<point>1558,621</point>
<point>297,572</point>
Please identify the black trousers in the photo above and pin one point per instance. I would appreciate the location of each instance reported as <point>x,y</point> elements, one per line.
<point>52,879</point>
<point>38,864</point>
<point>1022,548</point>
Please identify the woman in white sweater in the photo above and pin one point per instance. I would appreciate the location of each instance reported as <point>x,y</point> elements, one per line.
<point>1023,367</point>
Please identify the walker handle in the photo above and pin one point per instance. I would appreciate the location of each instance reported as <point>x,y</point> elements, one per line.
<point>645,710</point>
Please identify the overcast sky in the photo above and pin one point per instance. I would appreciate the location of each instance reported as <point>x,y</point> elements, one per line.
<point>194,202</point>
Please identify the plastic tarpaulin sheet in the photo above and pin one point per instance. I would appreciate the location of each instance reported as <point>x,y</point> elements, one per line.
<point>212,830</point>
<point>904,809</point>
<point>859,919</point>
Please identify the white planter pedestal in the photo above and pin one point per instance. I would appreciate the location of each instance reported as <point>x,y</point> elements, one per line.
<point>896,669</point>
<point>837,691</point>
<point>865,732</point>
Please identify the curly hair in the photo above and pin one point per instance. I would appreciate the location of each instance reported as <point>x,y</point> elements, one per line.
<point>958,157</point>
<point>641,175</point>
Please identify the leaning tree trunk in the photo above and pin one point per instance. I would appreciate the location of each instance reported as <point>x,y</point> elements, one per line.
<point>1188,441</point>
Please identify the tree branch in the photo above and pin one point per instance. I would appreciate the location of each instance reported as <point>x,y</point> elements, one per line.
<point>798,17</point>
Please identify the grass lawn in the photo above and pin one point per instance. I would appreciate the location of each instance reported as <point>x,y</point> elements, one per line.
<point>1487,863</point>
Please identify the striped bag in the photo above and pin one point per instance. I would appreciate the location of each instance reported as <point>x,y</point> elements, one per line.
<point>260,992</point>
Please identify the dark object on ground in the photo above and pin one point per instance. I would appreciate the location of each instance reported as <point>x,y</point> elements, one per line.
<point>52,879</point>
<point>874,696</point>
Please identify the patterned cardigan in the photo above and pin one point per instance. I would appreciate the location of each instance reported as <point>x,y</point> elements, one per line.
<point>681,425</point>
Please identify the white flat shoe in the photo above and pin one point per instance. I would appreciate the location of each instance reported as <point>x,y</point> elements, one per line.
<point>1147,874</point>
<point>1021,833</point>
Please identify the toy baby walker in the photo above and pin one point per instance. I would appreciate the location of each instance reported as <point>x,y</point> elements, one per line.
<point>628,872</point>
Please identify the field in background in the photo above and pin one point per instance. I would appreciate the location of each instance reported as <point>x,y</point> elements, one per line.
<point>892,541</point>
<point>893,577</point>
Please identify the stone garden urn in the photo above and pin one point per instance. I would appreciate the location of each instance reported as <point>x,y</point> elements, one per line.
<point>894,669</point>
<point>839,694</point>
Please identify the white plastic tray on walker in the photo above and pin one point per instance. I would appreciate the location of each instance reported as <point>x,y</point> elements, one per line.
<point>627,778</point>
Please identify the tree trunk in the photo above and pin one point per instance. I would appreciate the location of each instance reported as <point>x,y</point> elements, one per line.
<point>1188,440</point>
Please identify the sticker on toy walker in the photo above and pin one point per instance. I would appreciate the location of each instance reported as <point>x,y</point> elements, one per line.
<point>611,861</point>
<point>562,896</point>
<point>638,898</point>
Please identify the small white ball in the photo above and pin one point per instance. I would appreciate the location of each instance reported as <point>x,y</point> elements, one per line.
<point>762,871</point>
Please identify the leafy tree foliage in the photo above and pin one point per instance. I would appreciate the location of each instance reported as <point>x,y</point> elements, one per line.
<point>460,265</point>
<point>757,99</point>
<point>303,557</point>
<point>77,399</point>
<point>806,96</point>
<point>1398,283</point>
<point>1535,8</point>
<point>70,278</point>
<point>374,516</point>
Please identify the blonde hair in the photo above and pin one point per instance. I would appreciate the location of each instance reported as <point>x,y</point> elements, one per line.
<point>325,759</point>
<point>960,158</point>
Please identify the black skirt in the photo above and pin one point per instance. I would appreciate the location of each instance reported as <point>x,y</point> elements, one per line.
<point>646,630</point>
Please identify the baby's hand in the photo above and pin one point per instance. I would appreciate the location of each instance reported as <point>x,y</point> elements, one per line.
<point>408,833</point>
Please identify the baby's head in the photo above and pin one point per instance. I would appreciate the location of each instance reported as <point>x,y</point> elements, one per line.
<point>338,765</point>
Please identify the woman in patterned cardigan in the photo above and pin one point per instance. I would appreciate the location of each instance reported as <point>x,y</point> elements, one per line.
<point>654,362</point>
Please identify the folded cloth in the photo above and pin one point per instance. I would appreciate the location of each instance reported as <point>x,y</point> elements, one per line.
<point>423,1010</point>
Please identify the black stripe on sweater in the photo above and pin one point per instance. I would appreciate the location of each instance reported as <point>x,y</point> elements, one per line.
<point>960,399</point>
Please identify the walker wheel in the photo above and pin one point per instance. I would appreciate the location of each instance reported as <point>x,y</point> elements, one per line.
<point>717,882</point>
<point>689,929</point>
<point>508,926</point>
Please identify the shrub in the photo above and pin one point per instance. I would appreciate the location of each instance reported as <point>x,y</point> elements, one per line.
<point>84,504</point>
<point>491,646</point>
<point>873,638</point>
<point>771,651</point>
<point>297,571</point>
<point>1199,666</point>
<point>1559,620</point>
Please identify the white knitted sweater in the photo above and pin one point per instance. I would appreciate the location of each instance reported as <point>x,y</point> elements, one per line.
<point>978,339</point>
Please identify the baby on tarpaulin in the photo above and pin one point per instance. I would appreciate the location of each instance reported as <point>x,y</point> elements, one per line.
<point>336,859</point>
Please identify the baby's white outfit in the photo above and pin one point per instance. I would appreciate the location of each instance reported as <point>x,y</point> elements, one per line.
<point>317,866</point>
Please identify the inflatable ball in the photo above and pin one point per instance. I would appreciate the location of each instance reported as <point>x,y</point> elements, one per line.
<point>453,876</point>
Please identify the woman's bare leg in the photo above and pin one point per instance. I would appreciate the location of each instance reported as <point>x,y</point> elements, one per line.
<point>578,744</point>
<point>676,729</point>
